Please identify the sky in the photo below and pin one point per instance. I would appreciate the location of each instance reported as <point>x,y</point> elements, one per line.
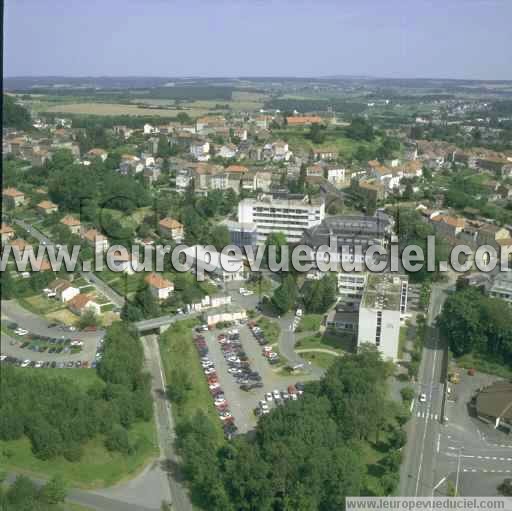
<point>466,39</point>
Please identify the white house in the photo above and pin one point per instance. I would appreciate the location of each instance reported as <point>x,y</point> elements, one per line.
<point>160,287</point>
<point>224,313</point>
<point>336,175</point>
<point>64,290</point>
<point>227,151</point>
<point>200,150</point>
<point>96,240</point>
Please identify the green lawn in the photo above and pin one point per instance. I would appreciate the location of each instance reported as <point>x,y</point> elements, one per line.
<point>334,341</point>
<point>310,323</point>
<point>178,351</point>
<point>323,360</point>
<point>346,147</point>
<point>98,466</point>
<point>39,304</point>
<point>401,341</point>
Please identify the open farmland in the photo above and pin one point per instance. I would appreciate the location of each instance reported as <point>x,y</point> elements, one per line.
<point>116,109</point>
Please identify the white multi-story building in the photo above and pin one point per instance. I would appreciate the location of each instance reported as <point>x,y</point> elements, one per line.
<point>351,285</point>
<point>502,286</point>
<point>200,150</point>
<point>290,216</point>
<point>382,306</point>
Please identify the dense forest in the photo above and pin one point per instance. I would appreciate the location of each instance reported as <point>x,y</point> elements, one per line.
<point>474,323</point>
<point>14,115</point>
<point>58,416</point>
<point>308,454</point>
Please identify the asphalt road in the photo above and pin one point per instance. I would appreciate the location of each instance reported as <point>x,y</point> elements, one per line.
<point>418,468</point>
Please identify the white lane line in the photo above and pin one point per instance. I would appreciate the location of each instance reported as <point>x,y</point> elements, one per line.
<point>438,441</point>
<point>439,484</point>
<point>418,414</point>
<point>412,404</point>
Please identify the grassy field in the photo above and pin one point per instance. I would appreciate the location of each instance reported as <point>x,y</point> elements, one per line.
<point>346,147</point>
<point>333,341</point>
<point>98,467</point>
<point>178,351</point>
<point>39,304</point>
<point>91,108</point>
<point>310,323</point>
<point>323,360</point>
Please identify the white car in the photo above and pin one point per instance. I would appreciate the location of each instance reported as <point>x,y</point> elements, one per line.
<point>276,394</point>
<point>25,363</point>
<point>209,370</point>
<point>214,386</point>
<point>423,397</point>
<point>220,402</point>
<point>268,396</point>
<point>21,331</point>
<point>39,364</point>
<point>2,357</point>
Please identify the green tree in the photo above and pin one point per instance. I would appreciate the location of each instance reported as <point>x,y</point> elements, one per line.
<point>54,491</point>
<point>285,296</point>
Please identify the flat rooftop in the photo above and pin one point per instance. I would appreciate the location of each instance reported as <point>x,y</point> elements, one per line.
<point>382,291</point>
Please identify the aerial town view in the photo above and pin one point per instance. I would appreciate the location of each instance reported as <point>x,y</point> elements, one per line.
<point>256,256</point>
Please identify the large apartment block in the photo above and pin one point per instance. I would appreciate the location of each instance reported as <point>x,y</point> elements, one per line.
<point>291,215</point>
<point>383,304</point>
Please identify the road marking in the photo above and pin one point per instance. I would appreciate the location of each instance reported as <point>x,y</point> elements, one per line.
<point>438,441</point>
<point>412,405</point>
<point>439,484</point>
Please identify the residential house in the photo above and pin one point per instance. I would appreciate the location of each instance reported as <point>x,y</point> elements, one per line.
<point>448,226</point>
<point>315,171</point>
<point>40,157</point>
<point>184,178</point>
<point>7,233</point>
<point>82,303</point>
<point>304,120</point>
<point>152,174</point>
<point>324,154</point>
<point>130,165</point>
<point>149,129</point>
<point>490,234</point>
<point>281,151</point>
<point>227,151</point>
<point>13,198</point>
<point>160,287</point>
<point>47,207</point>
<point>171,228</point>
<point>336,175</point>
<point>72,223</point>
<point>200,150</point>
<point>97,153</point>
<point>64,290</point>
<point>240,133</point>
<point>96,240</point>
<point>260,180</point>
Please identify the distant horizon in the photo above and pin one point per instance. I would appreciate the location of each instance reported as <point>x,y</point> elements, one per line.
<point>260,77</point>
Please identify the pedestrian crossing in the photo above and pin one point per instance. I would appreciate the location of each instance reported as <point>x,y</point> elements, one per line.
<point>427,415</point>
<point>489,471</point>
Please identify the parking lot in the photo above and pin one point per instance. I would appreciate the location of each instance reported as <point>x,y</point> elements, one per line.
<point>243,353</point>
<point>63,349</point>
